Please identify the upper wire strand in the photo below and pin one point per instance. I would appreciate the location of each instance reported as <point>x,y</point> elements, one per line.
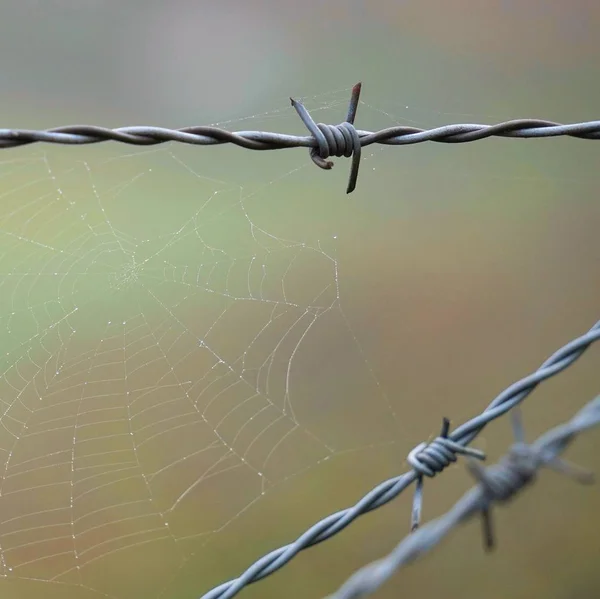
<point>324,140</point>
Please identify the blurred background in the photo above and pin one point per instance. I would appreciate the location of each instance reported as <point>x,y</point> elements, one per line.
<point>206,350</point>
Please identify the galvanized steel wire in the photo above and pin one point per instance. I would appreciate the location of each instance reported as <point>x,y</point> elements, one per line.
<point>427,461</point>
<point>324,140</point>
<point>497,484</point>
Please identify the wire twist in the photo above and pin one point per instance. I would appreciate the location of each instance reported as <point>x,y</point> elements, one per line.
<point>429,459</point>
<point>335,140</point>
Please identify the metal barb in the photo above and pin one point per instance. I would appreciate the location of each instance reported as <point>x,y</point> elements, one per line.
<point>353,106</point>
<point>429,460</point>
<point>445,427</point>
<point>487,529</point>
<point>335,140</point>
<point>572,471</point>
<point>501,482</point>
<point>417,505</point>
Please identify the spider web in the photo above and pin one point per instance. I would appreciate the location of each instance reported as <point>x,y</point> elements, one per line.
<point>154,325</point>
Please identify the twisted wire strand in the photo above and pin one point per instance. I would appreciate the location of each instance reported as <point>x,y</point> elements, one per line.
<point>388,490</point>
<point>497,484</point>
<point>324,140</point>
<point>205,135</point>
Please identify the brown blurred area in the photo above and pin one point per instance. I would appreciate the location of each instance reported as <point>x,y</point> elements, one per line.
<point>206,350</point>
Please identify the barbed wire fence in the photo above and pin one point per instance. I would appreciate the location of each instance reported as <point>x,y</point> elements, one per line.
<point>324,140</point>
<point>497,483</point>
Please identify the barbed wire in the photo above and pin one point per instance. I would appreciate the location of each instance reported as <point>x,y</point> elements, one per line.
<point>324,140</point>
<point>426,460</point>
<point>496,484</point>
